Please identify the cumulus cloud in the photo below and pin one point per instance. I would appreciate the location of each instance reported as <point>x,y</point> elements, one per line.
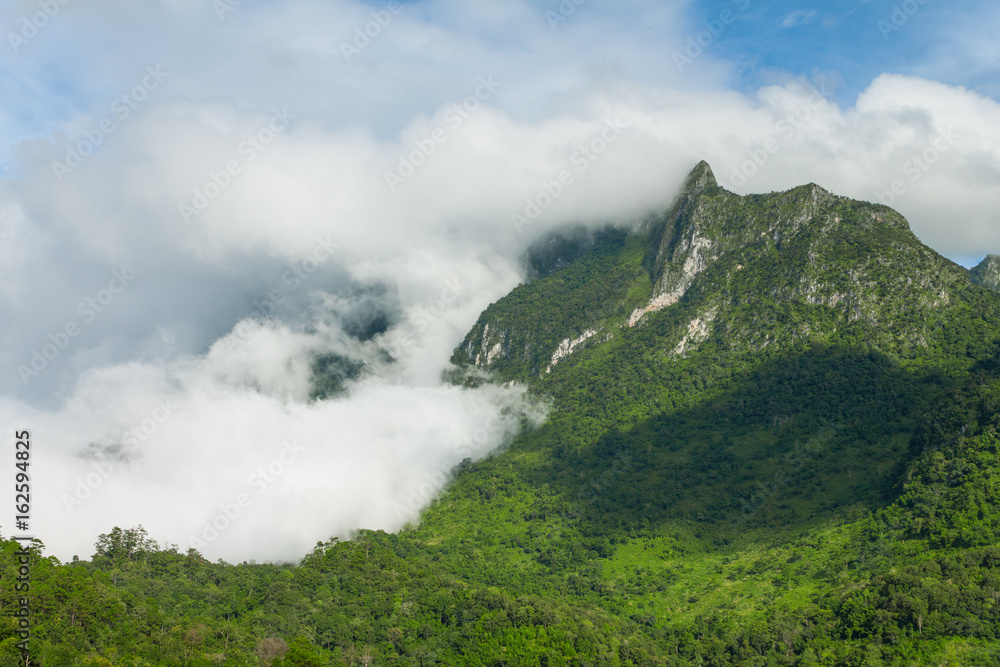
<point>192,225</point>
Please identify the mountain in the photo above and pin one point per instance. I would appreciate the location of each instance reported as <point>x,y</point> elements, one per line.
<point>987,273</point>
<point>784,269</point>
<point>734,376</point>
<point>729,335</point>
<point>773,439</point>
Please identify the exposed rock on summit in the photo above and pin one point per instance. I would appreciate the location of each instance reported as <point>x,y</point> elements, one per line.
<point>746,273</point>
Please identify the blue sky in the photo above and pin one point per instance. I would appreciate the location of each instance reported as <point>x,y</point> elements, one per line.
<point>46,85</point>
<point>852,42</point>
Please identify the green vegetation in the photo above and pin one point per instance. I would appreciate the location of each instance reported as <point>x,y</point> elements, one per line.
<point>987,273</point>
<point>797,462</point>
<point>598,289</point>
<point>329,373</point>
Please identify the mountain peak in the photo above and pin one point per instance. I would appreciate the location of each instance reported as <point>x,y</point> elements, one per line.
<point>987,273</point>
<point>799,267</point>
<point>701,177</point>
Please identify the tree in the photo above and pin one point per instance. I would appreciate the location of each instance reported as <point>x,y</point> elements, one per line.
<point>301,653</point>
<point>270,649</point>
<point>125,545</point>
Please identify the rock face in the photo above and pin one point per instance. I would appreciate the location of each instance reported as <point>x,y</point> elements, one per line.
<point>748,272</point>
<point>567,346</point>
<point>987,273</point>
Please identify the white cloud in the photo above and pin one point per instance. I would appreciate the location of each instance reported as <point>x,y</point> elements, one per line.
<point>799,17</point>
<point>174,448</point>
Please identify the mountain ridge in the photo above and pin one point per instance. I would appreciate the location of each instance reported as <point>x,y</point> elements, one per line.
<point>812,248</point>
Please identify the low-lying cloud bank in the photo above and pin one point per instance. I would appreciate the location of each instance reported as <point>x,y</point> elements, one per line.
<point>225,453</point>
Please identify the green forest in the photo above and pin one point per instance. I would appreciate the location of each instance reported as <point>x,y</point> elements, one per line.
<point>795,463</point>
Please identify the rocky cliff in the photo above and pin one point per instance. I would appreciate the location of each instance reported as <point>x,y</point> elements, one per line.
<point>747,272</point>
